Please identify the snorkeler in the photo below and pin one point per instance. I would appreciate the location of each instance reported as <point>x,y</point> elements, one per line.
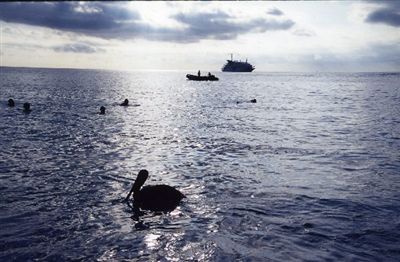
<point>125,103</point>
<point>11,102</point>
<point>27,108</point>
<point>102,110</point>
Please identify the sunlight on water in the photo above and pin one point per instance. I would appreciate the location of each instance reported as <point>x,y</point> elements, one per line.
<point>309,172</point>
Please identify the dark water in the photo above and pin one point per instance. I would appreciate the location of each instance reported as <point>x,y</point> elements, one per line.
<point>310,172</point>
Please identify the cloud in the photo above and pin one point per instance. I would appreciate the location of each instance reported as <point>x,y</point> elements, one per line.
<point>220,25</point>
<point>22,46</point>
<point>388,13</point>
<point>376,57</point>
<point>68,16</point>
<point>78,48</point>
<point>6,30</point>
<point>382,56</point>
<point>388,53</point>
<point>275,11</point>
<point>103,20</point>
<point>304,32</point>
<point>116,21</point>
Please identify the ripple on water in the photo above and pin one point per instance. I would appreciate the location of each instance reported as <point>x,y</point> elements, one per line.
<point>309,172</point>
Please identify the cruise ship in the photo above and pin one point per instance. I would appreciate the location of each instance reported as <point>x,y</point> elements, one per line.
<point>237,66</point>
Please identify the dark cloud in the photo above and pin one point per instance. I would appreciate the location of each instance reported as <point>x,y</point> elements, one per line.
<point>220,25</point>
<point>68,16</point>
<point>115,21</point>
<point>275,11</point>
<point>388,13</point>
<point>104,20</point>
<point>78,48</point>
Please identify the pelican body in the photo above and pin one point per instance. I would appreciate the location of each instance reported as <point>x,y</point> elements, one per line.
<point>154,197</point>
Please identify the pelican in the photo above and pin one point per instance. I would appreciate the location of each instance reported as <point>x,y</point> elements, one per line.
<point>154,197</point>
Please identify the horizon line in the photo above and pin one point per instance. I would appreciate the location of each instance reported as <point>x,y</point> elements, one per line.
<point>185,70</point>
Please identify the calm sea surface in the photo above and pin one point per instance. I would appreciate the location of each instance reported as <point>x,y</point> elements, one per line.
<point>310,172</point>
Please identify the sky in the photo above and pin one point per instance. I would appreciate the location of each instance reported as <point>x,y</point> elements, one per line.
<point>275,36</point>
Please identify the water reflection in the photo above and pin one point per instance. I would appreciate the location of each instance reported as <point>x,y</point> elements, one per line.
<point>135,139</point>
<point>307,172</point>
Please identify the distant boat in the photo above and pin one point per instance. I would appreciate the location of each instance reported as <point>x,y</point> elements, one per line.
<point>237,66</point>
<point>201,78</point>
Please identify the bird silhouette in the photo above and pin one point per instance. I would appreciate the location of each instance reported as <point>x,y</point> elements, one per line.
<point>154,197</point>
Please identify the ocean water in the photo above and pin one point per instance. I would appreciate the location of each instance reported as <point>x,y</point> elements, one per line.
<point>310,172</point>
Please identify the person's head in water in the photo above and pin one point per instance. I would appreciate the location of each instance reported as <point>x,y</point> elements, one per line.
<point>11,102</point>
<point>125,103</point>
<point>27,107</point>
<point>102,110</point>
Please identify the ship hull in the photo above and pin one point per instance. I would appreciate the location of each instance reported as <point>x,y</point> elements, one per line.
<point>237,70</point>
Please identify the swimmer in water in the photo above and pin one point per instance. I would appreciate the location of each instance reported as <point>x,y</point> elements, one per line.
<point>27,108</point>
<point>125,103</point>
<point>11,102</point>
